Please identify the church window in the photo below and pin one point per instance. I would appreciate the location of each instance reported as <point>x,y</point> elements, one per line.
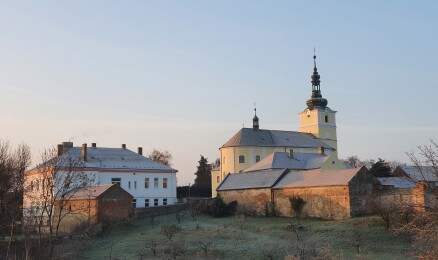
<point>224,161</point>
<point>241,159</point>
<point>257,158</point>
<point>218,179</point>
<point>326,118</point>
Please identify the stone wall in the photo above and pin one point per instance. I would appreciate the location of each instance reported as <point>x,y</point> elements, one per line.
<point>418,199</point>
<point>330,202</point>
<point>256,198</point>
<point>361,189</point>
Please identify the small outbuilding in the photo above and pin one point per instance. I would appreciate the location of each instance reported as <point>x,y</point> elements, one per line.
<point>93,204</point>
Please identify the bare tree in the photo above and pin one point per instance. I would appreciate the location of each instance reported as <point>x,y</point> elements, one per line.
<point>163,157</point>
<point>424,226</point>
<point>51,186</point>
<point>13,164</point>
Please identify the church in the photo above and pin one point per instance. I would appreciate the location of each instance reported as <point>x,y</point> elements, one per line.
<point>314,146</point>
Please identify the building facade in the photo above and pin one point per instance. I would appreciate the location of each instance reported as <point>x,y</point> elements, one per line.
<point>149,182</point>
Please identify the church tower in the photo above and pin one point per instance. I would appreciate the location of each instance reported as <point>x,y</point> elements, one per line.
<point>317,118</point>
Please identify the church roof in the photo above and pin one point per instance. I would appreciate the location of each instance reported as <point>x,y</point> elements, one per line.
<point>281,160</point>
<point>274,138</point>
<point>317,178</point>
<point>251,180</point>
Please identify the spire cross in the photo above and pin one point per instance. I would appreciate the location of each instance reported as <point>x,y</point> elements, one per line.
<point>314,58</point>
<point>255,108</point>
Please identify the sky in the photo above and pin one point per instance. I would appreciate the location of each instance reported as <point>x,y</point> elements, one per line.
<point>183,76</point>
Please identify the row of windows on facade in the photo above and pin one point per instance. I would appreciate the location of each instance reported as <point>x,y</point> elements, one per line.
<point>242,159</point>
<point>146,183</point>
<point>257,157</point>
<point>36,185</point>
<point>147,202</point>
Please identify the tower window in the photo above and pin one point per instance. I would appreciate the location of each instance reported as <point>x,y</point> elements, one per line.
<point>224,161</point>
<point>257,158</point>
<point>326,118</point>
<point>241,159</point>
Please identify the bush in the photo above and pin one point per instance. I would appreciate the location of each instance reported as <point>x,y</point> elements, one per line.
<point>220,209</point>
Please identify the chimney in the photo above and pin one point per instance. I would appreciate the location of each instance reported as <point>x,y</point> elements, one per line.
<point>60,149</point>
<point>140,150</point>
<point>124,146</point>
<point>291,153</point>
<point>84,152</point>
<point>321,150</point>
<point>93,145</point>
<point>66,146</point>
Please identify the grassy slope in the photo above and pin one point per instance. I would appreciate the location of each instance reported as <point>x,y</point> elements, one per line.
<point>252,239</point>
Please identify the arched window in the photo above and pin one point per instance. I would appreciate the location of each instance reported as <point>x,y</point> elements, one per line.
<point>241,159</point>
<point>257,158</point>
<point>326,118</point>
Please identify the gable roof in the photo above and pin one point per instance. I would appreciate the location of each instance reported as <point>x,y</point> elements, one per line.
<point>422,173</point>
<point>251,180</point>
<point>281,160</point>
<point>317,178</point>
<point>396,182</point>
<point>92,192</point>
<point>111,159</point>
<point>274,138</point>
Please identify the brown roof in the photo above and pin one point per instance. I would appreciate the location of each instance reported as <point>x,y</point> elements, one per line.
<point>91,192</point>
<point>317,178</point>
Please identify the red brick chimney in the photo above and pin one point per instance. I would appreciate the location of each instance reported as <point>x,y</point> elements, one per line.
<point>84,152</point>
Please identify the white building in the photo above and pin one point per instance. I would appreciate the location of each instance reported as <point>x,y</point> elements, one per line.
<point>149,182</point>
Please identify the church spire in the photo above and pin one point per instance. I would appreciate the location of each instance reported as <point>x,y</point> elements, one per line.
<point>255,120</point>
<point>316,101</point>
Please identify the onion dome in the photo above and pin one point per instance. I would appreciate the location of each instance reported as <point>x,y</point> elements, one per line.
<point>316,100</point>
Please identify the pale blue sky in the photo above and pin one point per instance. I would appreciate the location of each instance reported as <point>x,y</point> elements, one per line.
<point>183,75</point>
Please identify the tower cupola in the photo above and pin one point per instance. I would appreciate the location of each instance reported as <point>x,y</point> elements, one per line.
<point>316,100</point>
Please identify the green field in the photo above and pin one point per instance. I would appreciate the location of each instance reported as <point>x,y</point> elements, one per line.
<point>253,238</point>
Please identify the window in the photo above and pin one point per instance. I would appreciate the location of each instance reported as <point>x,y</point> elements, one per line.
<point>257,158</point>
<point>67,181</point>
<point>164,202</point>
<point>164,183</point>
<point>135,184</point>
<point>224,161</point>
<point>326,118</point>
<point>117,181</point>
<point>146,202</point>
<point>146,183</point>
<point>241,159</point>
<point>134,203</point>
<point>218,179</point>
<point>129,184</point>
<point>156,183</point>
<point>155,202</point>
